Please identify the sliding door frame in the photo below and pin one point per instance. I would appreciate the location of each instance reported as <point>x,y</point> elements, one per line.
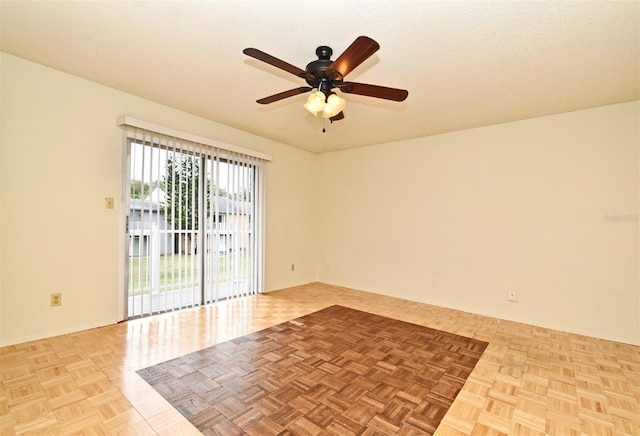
<point>216,156</point>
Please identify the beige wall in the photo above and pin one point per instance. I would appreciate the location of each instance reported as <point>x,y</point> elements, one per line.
<point>458,219</point>
<point>61,156</point>
<point>453,220</point>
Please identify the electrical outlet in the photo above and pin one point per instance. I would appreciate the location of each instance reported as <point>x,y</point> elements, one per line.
<point>513,296</point>
<point>56,299</point>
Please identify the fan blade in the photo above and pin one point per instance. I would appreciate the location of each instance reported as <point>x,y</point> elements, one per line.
<point>262,56</point>
<point>283,95</point>
<point>337,117</point>
<point>374,91</point>
<point>358,52</point>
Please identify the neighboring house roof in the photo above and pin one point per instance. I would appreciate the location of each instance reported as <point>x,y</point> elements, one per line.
<point>220,204</point>
<point>138,204</point>
<point>226,205</point>
<point>157,195</point>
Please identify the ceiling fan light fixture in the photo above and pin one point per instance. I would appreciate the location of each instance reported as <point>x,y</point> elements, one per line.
<point>334,106</point>
<point>328,106</point>
<point>315,103</point>
<point>308,107</point>
<point>323,75</point>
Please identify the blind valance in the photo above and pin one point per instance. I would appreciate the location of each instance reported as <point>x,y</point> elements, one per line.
<point>126,120</point>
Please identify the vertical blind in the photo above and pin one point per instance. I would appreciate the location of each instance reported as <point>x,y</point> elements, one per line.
<point>195,220</point>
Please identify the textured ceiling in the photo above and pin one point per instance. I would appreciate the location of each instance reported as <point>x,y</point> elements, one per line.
<point>465,64</point>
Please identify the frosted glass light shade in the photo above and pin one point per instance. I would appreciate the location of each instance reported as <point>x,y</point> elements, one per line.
<point>334,106</point>
<point>331,106</point>
<point>315,103</point>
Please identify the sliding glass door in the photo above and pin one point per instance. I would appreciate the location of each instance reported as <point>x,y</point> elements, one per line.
<point>194,223</point>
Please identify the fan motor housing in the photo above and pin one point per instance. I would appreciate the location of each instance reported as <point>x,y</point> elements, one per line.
<point>317,75</point>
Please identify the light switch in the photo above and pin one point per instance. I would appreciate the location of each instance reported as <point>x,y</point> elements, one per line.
<point>108,202</point>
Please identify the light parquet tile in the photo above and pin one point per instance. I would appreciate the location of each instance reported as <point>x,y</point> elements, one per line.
<point>530,380</point>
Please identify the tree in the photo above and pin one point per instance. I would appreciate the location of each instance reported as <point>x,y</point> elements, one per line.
<point>182,185</point>
<point>182,188</point>
<point>139,189</point>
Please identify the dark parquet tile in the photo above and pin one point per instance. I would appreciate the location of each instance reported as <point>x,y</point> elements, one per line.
<point>335,371</point>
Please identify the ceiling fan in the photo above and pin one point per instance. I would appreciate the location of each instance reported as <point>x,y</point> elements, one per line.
<point>324,75</point>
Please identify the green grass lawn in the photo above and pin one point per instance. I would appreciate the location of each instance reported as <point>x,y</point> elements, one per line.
<point>180,270</point>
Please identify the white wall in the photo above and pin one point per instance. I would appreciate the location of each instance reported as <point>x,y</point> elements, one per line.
<point>61,156</point>
<point>1,137</point>
<point>458,219</point>
<point>453,220</point>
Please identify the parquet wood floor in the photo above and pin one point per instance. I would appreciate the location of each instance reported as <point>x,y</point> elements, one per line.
<point>335,371</point>
<point>529,380</point>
